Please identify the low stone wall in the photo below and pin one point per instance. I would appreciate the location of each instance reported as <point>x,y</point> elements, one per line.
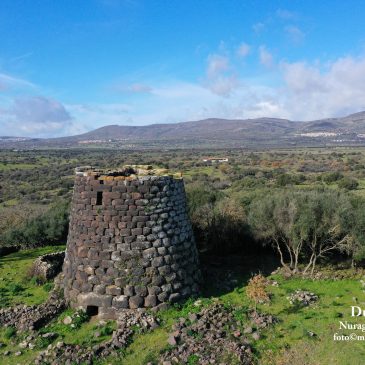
<point>29,318</point>
<point>130,244</point>
<point>48,266</point>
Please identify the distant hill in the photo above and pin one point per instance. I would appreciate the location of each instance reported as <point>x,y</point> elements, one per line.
<point>214,132</point>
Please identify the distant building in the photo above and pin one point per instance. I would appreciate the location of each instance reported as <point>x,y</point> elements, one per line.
<point>215,159</point>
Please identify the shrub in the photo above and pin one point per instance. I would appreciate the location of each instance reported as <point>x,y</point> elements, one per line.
<point>9,332</point>
<point>35,276</point>
<point>193,359</point>
<point>220,226</point>
<point>106,330</point>
<point>249,182</point>
<point>48,228</point>
<point>348,183</point>
<point>199,195</point>
<point>14,288</point>
<point>256,289</point>
<point>286,179</point>
<point>43,342</point>
<point>150,359</point>
<point>48,286</point>
<point>79,318</point>
<point>331,177</point>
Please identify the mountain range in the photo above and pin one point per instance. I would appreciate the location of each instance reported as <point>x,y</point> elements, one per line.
<point>212,132</point>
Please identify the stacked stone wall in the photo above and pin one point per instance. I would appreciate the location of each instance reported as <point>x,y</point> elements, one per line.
<point>130,244</point>
<point>46,267</point>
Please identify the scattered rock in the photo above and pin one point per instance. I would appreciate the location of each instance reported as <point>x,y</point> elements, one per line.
<point>261,320</point>
<point>49,335</point>
<point>67,320</point>
<point>60,344</point>
<point>23,345</point>
<point>205,335</point>
<point>237,333</point>
<point>192,317</point>
<point>302,297</point>
<point>248,330</point>
<point>127,322</point>
<point>172,340</point>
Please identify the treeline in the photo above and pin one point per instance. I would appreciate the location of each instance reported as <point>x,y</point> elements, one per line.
<point>50,227</point>
<point>303,227</point>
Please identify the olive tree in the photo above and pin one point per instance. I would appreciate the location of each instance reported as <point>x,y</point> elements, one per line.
<point>353,220</point>
<point>303,226</point>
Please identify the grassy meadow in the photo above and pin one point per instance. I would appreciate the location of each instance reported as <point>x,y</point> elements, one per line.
<point>36,187</point>
<point>286,342</point>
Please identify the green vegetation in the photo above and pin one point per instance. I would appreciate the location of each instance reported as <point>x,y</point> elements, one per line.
<point>307,204</point>
<point>83,331</point>
<point>287,342</point>
<point>15,284</point>
<point>309,225</point>
<point>48,228</point>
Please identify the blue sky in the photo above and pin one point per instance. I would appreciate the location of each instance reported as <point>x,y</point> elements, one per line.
<point>70,66</point>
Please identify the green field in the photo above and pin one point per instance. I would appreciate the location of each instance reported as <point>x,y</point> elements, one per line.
<point>16,286</point>
<point>33,183</point>
<point>287,342</point>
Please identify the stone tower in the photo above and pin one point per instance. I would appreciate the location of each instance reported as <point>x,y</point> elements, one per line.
<point>130,242</point>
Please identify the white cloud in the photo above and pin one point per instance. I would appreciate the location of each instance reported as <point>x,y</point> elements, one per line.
<point>294,33</point>
<point>219,77</point>
<point>8,81</point>
<point>285,14</point>
<point>135,88</point>
<point>243,50</point>
<point>301,78</point>
<point>306,92</point>
<point>140,88</point>
<point>293,90</point>
<point>216,65</point>
<point>38,109</point>
<point>316,91</point>
<point>266,58</point>
<point>3,85</point>
<point>90,116</point>
<point>258,27</point>
<point>223,85</point>
<point>34,115</point>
